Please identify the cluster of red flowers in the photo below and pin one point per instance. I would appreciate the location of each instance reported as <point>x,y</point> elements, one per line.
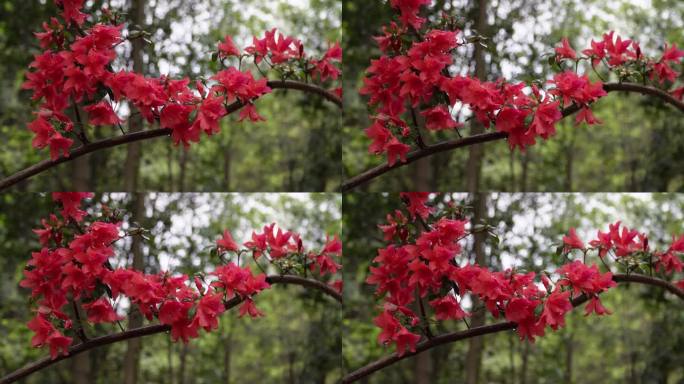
<point>414,74</point>
<point>80,71</point>
<point>427,266</point>
<point>79,271</point>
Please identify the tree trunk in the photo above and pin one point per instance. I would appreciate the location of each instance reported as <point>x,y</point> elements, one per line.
<point>183,162</point>
<point>523,367</point>
<point>568,359</point>
<point>476,152</point>
<point>169,360</point>
<point>473,185</point>
<point>227,160</point>
<point>135,319</point>
<point>422,368</point>
<point>183,358</point>
<point>525,160</point>
<point>135,122</point>
<point>476,344</point>
<point>227,351</point>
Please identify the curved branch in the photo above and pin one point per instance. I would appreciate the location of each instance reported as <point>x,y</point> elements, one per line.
<point>150,134</point>
<point>448,145</point>
<point>493,328</point>
<point>157,328</point>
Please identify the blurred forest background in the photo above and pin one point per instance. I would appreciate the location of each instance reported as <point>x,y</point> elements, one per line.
<point>638,147</point>
<point>298,341</point>
<point>641,342</point>
<point>296,149</point>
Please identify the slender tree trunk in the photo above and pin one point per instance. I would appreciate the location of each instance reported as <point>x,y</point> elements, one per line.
<point>290,368</point>
<point>525,162</point>
<point>511,357</point>
<point>227,162</point>
<point>169,360</point>
<point>422,368</point>
<point>183,357</point>
<point>476,344</point>
<point>183,161</point>
<point>227,352</point>
<point>422,174</point>
<point>81,173</point>
<point>569,350</point>
<point>135,122</point>
<point>476,152</point>
<point>473,175</point>
<point>523,366</point>
<point>135,319</point>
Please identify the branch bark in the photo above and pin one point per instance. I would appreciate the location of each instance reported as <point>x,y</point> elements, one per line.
<point>158,328</point>
<point>448,145</point>
<point>493,328</point>
<point>150,134</point>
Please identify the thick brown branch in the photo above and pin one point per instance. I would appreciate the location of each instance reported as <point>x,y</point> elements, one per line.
<point>429,150</point>
<point>150,134</point>
<point>493,328</point>
<point>157,328</point>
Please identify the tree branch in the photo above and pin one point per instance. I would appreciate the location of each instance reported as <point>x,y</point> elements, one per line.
<point>448,145</point>
<point>150,134</point>
<point>157,328</point>
<point>493,328</point>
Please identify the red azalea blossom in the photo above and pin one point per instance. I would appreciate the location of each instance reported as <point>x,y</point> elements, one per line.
<point>565,51</point>
<point>101,311</point>
<point>102,114</point>
<point>572,241</point>
<point>227,48</point>
<point>226,243</point>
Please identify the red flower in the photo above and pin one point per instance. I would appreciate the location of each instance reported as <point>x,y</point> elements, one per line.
<point>228,48</point>
<point>101,311</point>
<point>572,241</point>
<point>416,203</point>
<point>404,339</point>
<point>669,262</point>
<point>249,112</point>
<point>72,11</point>
<point>597,52</point>
<point>102,114</point>
<point>545,118</point>
<point>248,308</point>
<point>587,116</point>
<point>58,342</point>
<point>521,309</point>
<point>209,113</point>
<point>71,202</point>
<point>396,149</point>
<point>226,243</point>
<point>42,130</point>
<point>58,145</point>
<point>438,118</point>
<point>448,308</point>
<point>595,305</point>
<point>208,310</point>
<point>672,53</point>
<point>565,51</point>
<point>173,311</point>
<point>555,308</point>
